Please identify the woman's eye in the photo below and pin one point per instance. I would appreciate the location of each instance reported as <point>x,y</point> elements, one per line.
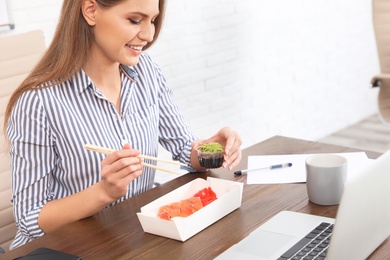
<point>134,21</point>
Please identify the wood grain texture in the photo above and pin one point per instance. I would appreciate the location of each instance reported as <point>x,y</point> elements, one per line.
<point>116,233</point>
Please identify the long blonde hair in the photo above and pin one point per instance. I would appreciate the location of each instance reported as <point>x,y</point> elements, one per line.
<point>68,50</point>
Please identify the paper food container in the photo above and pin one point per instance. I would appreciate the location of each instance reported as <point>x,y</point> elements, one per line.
<point>229,197</point>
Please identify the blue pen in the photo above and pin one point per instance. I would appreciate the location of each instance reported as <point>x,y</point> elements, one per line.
<point>276,166</point>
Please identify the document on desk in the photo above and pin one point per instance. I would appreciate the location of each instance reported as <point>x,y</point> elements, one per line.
<point>297,172</point>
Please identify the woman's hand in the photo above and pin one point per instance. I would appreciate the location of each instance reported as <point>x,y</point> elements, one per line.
<point>118,170</point>
<point>228,139</point>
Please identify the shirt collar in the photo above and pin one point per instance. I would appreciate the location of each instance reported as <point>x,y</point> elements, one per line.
<point>81,81</point>
<point>129,72</point>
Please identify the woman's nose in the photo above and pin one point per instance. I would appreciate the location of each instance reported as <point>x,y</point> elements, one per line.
<point>147,32</point>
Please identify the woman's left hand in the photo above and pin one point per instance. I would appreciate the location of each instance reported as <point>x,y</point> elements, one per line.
<point>232,143</point>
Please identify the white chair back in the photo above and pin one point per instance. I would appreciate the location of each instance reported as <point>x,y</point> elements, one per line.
<point>18,55</point>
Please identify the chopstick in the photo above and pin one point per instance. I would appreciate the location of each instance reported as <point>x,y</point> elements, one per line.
<point>104,150</point>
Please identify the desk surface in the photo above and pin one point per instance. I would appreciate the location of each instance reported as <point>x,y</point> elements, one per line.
<point>116,233</point>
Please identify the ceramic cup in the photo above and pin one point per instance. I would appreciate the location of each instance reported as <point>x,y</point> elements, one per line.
<point>325,178</point>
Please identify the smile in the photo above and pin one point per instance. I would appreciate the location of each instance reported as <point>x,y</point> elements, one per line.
<point>137,48</point>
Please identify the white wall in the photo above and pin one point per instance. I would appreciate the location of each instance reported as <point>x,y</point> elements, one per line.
<point>265,67</point>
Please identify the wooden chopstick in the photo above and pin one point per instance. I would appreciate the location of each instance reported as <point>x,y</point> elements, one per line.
<point>104,150</point>
<point>163,160</point>
<point>98,149</point>
<point>158,168</point>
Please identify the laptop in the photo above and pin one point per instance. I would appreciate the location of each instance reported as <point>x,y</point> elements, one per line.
<point>361,225</point>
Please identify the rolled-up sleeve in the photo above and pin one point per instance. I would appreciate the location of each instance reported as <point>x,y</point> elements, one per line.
<point>32,160</point>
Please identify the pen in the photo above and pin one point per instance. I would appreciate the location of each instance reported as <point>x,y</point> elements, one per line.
<point>276,166</point>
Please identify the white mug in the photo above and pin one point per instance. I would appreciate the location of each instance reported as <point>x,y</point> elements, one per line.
<point>326,175</point>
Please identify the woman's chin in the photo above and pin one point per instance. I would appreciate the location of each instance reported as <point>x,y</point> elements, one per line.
<point>130,61</point>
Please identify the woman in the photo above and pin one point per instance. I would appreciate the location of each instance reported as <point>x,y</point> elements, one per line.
<point>94,85</point>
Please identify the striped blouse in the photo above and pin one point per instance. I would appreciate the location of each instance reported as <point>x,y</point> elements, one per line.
<point>49,127</point>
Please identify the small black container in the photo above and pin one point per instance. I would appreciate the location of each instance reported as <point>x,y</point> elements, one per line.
<point>210,160</point>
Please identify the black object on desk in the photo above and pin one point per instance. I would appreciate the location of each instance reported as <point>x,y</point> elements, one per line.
<point>44,253</point>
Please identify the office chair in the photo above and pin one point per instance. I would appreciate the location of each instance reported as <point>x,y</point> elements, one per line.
<point>18,55</point>
<point>381,21</point>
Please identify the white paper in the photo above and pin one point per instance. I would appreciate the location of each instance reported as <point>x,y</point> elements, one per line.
<point>297,172</point>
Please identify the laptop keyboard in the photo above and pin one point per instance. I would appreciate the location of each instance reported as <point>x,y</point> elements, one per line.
<point>313,246</point>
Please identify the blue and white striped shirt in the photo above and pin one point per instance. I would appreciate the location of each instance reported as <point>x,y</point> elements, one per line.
<point>49,127</point>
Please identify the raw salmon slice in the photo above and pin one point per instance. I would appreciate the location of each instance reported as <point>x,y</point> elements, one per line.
<point>183,208</point>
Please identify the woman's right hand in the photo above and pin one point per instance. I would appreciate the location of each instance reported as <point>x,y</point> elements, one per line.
<point>118,170</point>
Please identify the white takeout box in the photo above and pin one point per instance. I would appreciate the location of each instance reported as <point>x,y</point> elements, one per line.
<point>229,197</point>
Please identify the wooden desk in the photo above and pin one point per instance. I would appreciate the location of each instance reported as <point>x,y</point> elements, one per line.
<point>116,233</point>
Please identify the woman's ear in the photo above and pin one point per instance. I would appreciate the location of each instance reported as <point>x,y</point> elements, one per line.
<point>88,8</point>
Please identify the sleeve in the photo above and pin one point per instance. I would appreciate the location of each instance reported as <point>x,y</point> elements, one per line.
<point>174,134</point>
<point>32,161</point>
